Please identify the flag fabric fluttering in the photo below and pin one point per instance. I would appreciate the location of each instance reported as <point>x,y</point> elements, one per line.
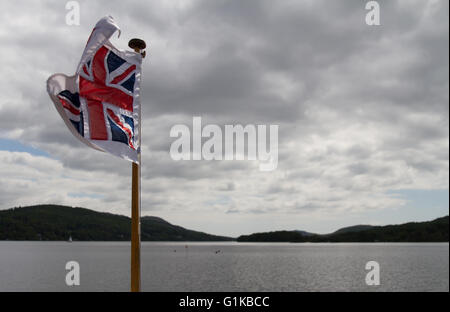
<point>100,104</point>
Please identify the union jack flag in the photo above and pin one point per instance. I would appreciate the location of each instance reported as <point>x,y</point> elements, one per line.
<point>100,103</point>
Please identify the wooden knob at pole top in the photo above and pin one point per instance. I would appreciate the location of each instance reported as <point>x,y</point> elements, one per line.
<point>137,45</point>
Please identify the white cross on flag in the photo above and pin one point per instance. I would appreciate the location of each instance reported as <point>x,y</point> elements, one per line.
<point>100,104</point>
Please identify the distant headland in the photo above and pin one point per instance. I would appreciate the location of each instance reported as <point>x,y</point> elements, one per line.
<point>430,231</point>
<point>59,223</point>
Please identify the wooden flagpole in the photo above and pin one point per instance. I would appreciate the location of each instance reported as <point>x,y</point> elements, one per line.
<point>138,45</point>
<point>135,231</point>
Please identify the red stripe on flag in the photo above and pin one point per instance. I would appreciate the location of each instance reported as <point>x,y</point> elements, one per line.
<point>69,107</point>
<point>98,65</point>
<point>124,74</point>
<point>97,126</point>
<point>99,92</point>
<point>117,121</point>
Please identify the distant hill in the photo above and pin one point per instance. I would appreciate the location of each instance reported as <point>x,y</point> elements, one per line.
<point>273,237</point>
<point>304,233</point>
<point>430,231</point>
<point>54,222</point>
<point>354,228</point>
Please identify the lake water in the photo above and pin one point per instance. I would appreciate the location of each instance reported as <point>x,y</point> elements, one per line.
<point>104,266</point>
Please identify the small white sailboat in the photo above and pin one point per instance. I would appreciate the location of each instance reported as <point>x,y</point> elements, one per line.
<point>70,239</point>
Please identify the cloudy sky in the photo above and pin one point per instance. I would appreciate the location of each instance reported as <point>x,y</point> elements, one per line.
<point>362,111</point>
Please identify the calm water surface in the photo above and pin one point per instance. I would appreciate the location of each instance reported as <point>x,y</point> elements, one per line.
<point>104,266</point>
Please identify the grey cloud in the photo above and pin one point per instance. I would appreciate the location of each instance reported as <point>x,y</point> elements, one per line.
<point>361,109</point>
<point>230,186</point>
